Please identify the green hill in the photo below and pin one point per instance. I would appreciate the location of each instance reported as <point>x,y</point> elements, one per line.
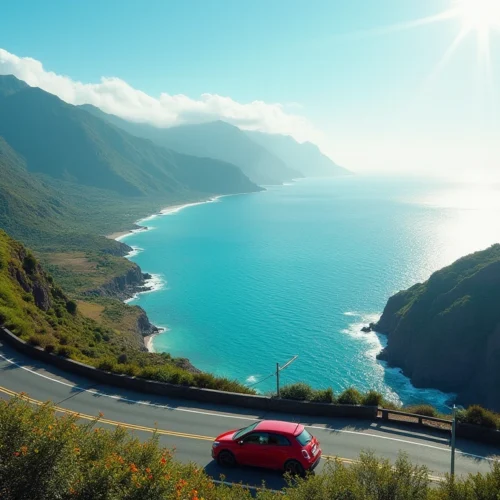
<point>216,139</point>
<point>68,143</point>
<point>304,157</point>
<point>445,333</point>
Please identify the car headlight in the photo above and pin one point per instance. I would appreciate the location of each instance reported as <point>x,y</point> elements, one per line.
<point>215,444</point>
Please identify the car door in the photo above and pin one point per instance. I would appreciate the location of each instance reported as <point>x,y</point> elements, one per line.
<point>279,450</point>
<point>253,450</point>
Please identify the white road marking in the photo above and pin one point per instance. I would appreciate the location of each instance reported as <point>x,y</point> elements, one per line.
<point>223,415</point>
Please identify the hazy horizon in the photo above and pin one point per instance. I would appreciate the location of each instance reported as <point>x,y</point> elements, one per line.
<point>381,86</point>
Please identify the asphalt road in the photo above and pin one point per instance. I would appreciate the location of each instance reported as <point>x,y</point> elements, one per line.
<point>190,427</point>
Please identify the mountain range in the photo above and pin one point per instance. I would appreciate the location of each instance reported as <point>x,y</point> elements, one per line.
<point>265,159</point>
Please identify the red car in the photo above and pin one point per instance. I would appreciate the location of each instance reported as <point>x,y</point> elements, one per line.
<point>269,443</point>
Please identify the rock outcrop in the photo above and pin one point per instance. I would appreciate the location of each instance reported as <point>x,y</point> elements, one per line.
<point>125,286</point>
<point>445,333</point>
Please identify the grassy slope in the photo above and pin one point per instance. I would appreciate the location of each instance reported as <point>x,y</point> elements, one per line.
<point>33,307</point>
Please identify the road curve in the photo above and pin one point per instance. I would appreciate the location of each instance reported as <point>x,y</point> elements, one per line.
<point>190,426</point>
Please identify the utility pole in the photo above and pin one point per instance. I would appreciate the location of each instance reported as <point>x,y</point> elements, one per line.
<point>453,435</point>
<point>278,369</point>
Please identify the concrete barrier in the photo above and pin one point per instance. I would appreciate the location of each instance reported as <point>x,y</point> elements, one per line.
<point>192,393</point>
<point>478,433</point>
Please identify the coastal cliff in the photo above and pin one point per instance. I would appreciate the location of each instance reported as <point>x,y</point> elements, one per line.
<point>445,333</point>
<point>123,286</point>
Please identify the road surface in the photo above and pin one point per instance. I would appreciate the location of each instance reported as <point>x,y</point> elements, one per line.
<point>190,426</point>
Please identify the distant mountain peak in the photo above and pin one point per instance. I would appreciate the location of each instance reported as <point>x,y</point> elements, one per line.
<point>9,85</point>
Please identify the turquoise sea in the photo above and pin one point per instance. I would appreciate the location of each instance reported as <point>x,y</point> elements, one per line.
<point>248,281</point>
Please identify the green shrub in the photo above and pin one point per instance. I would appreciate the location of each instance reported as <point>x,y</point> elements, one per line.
<point>107,364</point>
<point>323,396</point>
<point>477,415</point>
<point>422,409</point>
<point>29,263</point>
<point>71,307</point>
<point>372,398</point>
<point>66,351</point>
<point>350,396</point>
<point>299,391</point>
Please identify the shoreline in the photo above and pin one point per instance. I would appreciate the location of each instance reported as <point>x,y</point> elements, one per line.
<point>155,281</point>
<point>148,340</point>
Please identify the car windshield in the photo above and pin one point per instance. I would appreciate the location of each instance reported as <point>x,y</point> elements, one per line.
<point>245,430</point>
<point>304,437</point>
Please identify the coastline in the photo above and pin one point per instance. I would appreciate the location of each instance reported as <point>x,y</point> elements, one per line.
<point>156,281</point>
<point>148,341</point>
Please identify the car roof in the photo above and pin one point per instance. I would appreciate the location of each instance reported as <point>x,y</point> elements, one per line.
<point>279,426</point>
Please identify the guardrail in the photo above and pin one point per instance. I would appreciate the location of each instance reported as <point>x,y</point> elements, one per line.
<point>420,419</point>
<point>264,403</point>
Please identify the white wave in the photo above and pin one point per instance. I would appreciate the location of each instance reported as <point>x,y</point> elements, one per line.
<point>134,231</point>
<point>155,283</point>
<point>351,313</point>
<point>177,208</point>
<point>134,252</point>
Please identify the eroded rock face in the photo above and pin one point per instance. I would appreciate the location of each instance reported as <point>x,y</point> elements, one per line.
<point>42,297</point>
<point>35,281</point>
<point>123,287</point>
<point>445,333</point>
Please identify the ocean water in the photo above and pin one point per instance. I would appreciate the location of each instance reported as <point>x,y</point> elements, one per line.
<point>248,281</point>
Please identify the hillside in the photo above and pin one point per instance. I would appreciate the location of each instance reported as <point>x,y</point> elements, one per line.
<point>445,333</point>
<point>305,157</point>
<point>105,334</point>
<point>66,142</point>
<point>218,140</point>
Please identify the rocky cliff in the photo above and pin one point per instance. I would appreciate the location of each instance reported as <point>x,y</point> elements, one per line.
<point>445,333</point>
<point>124,286</point>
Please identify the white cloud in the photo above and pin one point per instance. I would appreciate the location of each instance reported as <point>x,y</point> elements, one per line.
<point>117,97</point>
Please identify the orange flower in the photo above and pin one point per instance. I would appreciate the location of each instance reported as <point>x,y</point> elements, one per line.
<point>133,468</point>
<point>148,470</point>
<point>163,460</point>
<point>101,414</point>
<point>150,476</point>
<point>77,450</point>
<point>24,450</point>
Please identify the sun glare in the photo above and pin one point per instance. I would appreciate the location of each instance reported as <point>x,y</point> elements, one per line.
<point>479,15</point>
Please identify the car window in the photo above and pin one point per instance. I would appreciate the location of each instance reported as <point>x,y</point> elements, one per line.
<point>278,440</point>
<point>245,430</point>
<point>304,437</point>
<point>257,438</point>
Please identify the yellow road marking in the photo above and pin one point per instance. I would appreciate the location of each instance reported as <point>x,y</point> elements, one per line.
<point>152,429</point>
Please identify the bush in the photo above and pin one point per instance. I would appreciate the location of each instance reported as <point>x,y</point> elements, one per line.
<point>426,410</point>
<point>71,306</point>
<point>29,263</point>
<point>350,396</point>
<point>323,396</point>
<point>66,351</point>
<point>477,415</point>
<point>372,398</point>
<point>298,391</point>
<point>107,364</point>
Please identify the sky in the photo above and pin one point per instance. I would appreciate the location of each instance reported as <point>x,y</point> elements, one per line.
<point>379,85</point>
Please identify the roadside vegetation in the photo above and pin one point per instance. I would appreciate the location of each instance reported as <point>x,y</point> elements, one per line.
<point>44,457</point>
<point>104,333</point>
<point>475,414</point>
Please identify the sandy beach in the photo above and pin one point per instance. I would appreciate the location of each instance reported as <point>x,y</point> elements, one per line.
<point>118,235</point>
<point>148,341</point>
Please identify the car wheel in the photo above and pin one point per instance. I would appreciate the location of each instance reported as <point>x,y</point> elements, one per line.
<point>226,459</point>
<point>294,468</point>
